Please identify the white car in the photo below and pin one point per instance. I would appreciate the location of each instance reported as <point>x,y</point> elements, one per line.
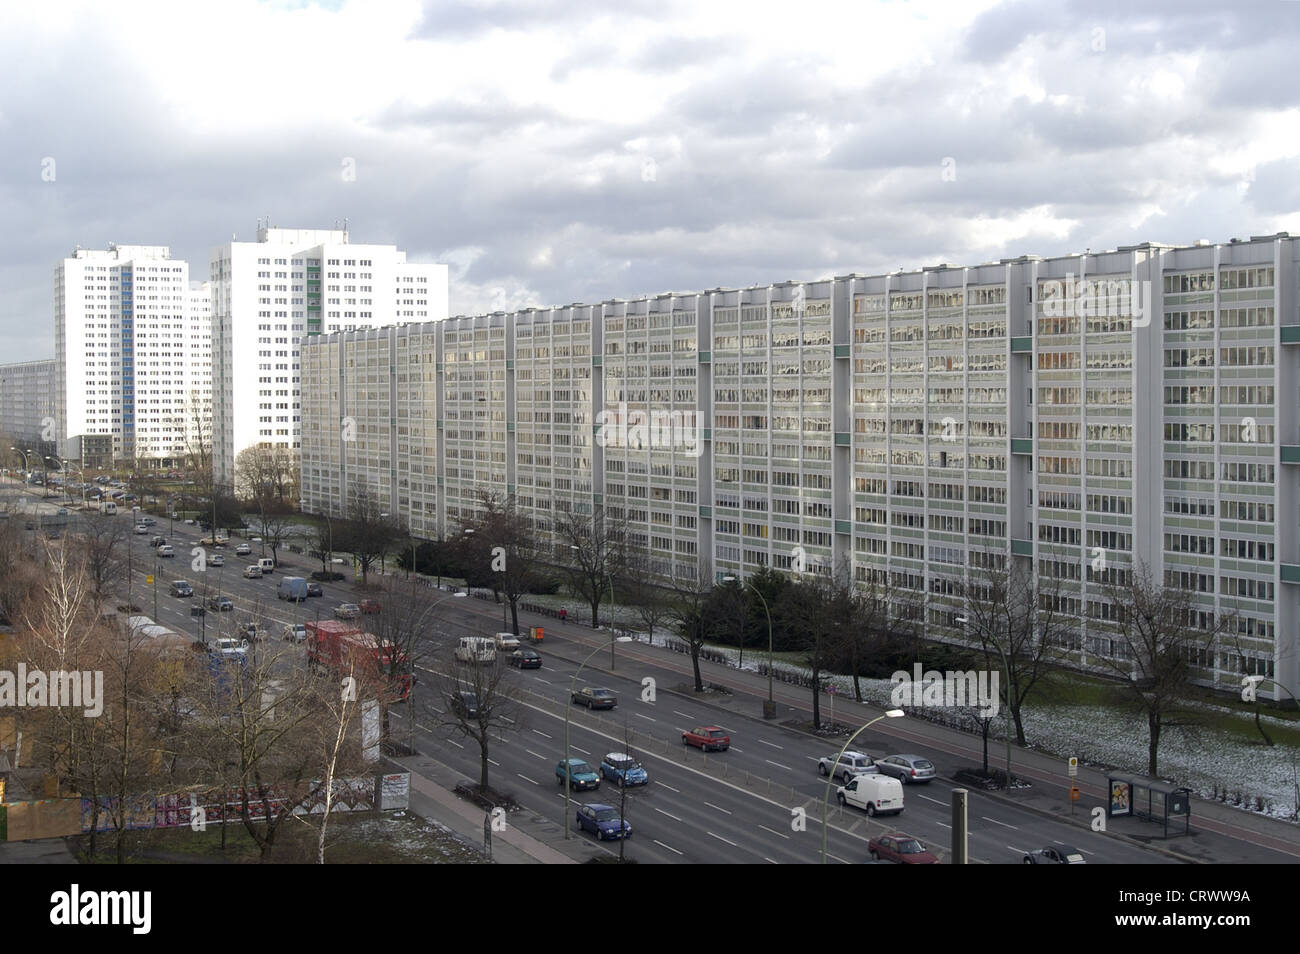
<point>507,641</point>
<point>243,550</point>
<point>253,572</point>
<point>216,560</point>
<point>141,528</point>
<point>874,794</point>
<point>228,647</point>
<point>295,632</point>
<point>166,550</point>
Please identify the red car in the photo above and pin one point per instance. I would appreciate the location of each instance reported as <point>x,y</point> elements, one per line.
<point>900,849</point>
<point>370,606</point>
<point>705,737</point>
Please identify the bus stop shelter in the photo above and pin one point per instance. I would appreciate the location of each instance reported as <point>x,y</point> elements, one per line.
<point>1149,800</point>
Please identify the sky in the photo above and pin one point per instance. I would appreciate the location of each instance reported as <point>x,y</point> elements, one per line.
<point>556,151</point>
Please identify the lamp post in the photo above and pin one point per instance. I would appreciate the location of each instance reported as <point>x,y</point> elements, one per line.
<point>1006,676</point>
<point>24,454</point>
<point>889,714</point>
<point>769,707</point>
<point>568,708</point>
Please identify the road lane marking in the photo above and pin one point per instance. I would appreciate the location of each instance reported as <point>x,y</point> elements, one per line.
<point>540,679</point>
<point>494,762</point>
<point>778,765</point>
<point>576,749</point>
<point>774,832</point>
<point>945,825</point>
<point>773,744</point>
<point>768,860</point>
<point>541,733</point>
<point>669,814</point>
<point>455,743</point>
<point>534,754</point>
<point>996,822</point>
<point>669,787</point>
<point>937,801</point>
<point>720,838</point>
<point>646,717</point>
<point>718,807</point>
<point>734,749</point>
<point>526,778</point>
<point>669,847</point>
<point>838,858</point>
<point>684,715</point>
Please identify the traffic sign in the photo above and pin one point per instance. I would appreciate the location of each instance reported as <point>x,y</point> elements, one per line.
<point>149,579</point>
<point>1074,767</point>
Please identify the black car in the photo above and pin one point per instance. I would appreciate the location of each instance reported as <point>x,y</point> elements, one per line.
<point>313,589</point>
<point>526,658</point>
<point>465,704</point>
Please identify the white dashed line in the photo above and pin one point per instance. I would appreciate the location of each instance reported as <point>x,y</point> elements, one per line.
<point>576,749</point>
<point>944,825</point>
<point>774,832</point>
<point>837,858</point>
<point>720,838</point>
<point>768,860</point>
<point>996,822</point>
<point>455,743</point>
<point>778,765</point>
<point>526,778</point>
<point>540,679</point>
<point>684,715</point>
<point>669,847</point>
<point>646,717</point>
<point>536,755</point>
<point>669,787</point>
<point>494,762</point>
<point>937,801</point>
<point>718,807</point>
<point>773,744</point>
<point>669,814</point>
<point>541,733</point>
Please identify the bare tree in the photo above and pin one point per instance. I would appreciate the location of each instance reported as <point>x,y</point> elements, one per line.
<point>814,611</point>
<point>1157,630</point>
<point>480,704</point>
<point>690,610</point>
<point>104,541</point>
<point>592,550</point>
<point>368,533</point>
<point>1014,617</point>
<point>499,543</point>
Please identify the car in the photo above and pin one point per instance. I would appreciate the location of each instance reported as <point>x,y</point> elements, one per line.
<point>874,794</point>
<point>228,646</point>
<point>706,737</point>
<point>900,849</point>
<point>506,641</point>
<point>252,572</point>
<point>196,609</point>
<point>157,541</point>
<point>848,765</point>
<point>580,774</point>
<point>313,589</point>
<point>294,632</point>
<point>141,528</point>
<point>594,698</point>
<point>907,768</point>
<point>254,539</point>
<point>216,560</point>
<point>467,705</point>
<point>621,769</point>
<point>189,521</point>
<point>603,821</point>
<point>166,550</point>
<point>62,512</point>
<point>1055,854</point>
<point>221,604</point>
<point>250,631</point>
<point>526,659</point>
<point>243,550</point>
<point>148,521</point>
<point>347,611</point>
<point>370,607</point>
<point>182,588</point>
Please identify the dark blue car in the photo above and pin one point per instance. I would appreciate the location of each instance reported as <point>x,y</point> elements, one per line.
<point>621,769</point>
<point>603,821</point>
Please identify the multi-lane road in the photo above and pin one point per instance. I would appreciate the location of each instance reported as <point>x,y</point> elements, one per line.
<point>759,802</point>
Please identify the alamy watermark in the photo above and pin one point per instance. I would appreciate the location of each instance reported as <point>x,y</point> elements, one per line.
<point>661,430</point>
<point>36,688</point>
<point>1089,298</point>
<point>976,689</point>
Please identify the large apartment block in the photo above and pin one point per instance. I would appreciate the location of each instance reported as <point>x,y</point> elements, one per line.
<point>27,406</point>
<point>289,284</point>
<point>132,356</point>
<point>1077,416</point>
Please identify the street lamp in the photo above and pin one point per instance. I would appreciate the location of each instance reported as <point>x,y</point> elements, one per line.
<point>568,708</point>
<point>1006,677</point>
<point>769,707</point>
<point>889,714</point>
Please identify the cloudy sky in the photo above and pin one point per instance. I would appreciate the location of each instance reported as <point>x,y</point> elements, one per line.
<point>554,151</point>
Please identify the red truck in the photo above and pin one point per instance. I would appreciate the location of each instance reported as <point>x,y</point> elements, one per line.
<point>344,647</point>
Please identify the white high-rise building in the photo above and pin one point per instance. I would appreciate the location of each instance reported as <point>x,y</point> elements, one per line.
<point>290,283</point>
<point>132,354</point>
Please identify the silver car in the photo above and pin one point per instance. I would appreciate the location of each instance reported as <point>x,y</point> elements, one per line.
<point>907,768</point>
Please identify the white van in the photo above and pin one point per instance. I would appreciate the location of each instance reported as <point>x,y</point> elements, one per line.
<point>476,650</point>
<point>267,565</point>
<point>874,794</point>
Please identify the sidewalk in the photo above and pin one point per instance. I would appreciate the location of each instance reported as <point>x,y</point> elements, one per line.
<point>528,838</point>
<point>1220,834</point>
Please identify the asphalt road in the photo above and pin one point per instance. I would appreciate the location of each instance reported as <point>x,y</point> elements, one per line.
<point>759,802</point>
